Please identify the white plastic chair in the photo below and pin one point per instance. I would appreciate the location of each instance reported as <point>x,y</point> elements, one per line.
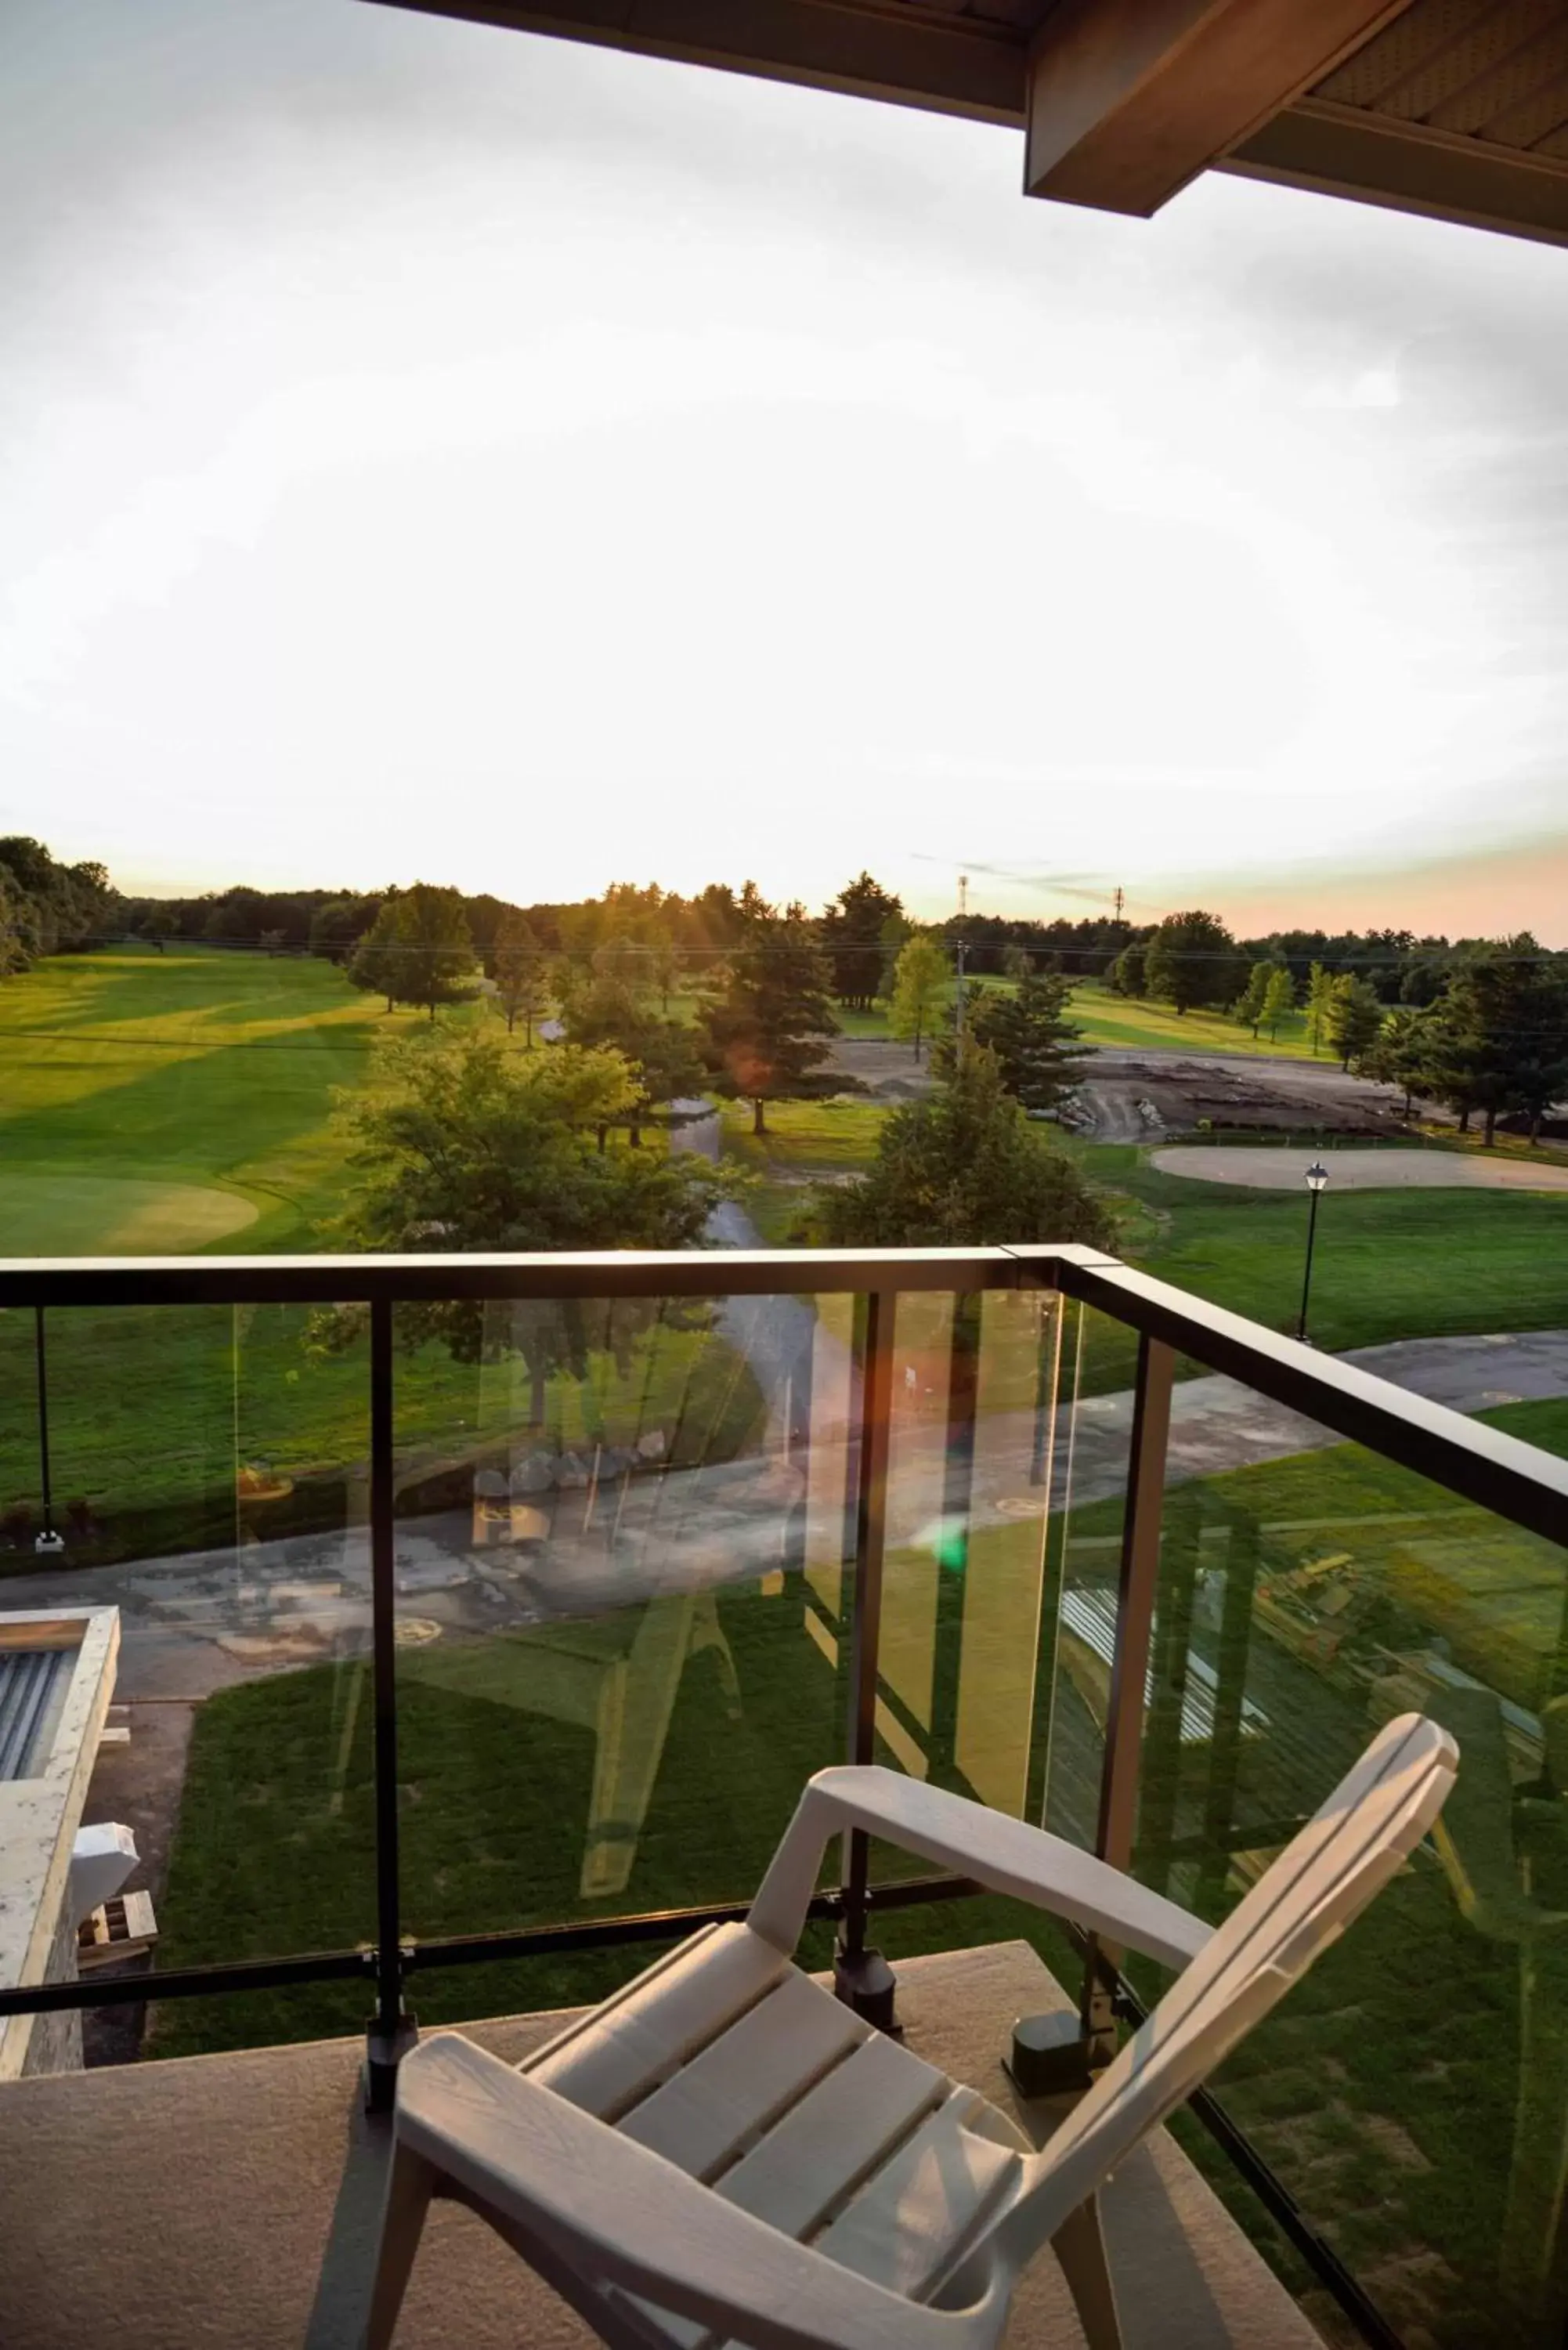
<point>722,2152</point>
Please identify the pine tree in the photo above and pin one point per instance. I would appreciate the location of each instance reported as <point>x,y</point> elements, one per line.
<point>1400,1052</point>
<point>764,1034</point>
<point>1320,988</point>
<point>377,963</point>
<point>1352,1017</point>
<point>1128,974</point>
<point>922,977</point>
<point>1033,1039</point>
<point>519,973</point>
<point>852,931</point>
<point>1279,999</point>
<point>964,1168</point>
<point>1248,1007</point>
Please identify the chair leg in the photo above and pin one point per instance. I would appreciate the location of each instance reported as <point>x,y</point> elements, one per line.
<point>410,2186</point>
<point>1080,2246</point>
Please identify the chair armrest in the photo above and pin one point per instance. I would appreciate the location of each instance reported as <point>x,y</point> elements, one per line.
<point>1007,1855</point>
<point>618,2214</point>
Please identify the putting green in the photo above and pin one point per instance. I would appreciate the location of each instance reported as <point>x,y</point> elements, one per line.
<point>108,1215</point>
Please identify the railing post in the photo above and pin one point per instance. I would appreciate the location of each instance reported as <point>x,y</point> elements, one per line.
<point>1056,2053</point>
<point>393,2029</point>
<point>862,1977</point>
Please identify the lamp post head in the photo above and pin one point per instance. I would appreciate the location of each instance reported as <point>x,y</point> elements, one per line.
<point>1317,1176</point>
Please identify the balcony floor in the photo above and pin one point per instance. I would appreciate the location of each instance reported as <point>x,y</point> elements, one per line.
<point>233,2201</point>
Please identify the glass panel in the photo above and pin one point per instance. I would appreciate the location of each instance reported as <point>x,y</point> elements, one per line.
<point>1413,2091</point>
<point>620,1591</point>
<point>208,1490</point>
<point>1093,1434</point>
<point>961,1696</point>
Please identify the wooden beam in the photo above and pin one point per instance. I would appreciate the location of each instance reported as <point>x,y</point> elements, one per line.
<point>1340,151</point>
<point>1130,100</point>
<point>866,48</point>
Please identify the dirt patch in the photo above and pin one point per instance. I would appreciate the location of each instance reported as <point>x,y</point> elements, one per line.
<point>887,1069</point>
<point>1136,1096</point>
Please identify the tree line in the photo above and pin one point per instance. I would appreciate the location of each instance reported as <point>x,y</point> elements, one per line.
<point>1477,1025</point>
<point>48,907</point>
<point>1483,1030</point>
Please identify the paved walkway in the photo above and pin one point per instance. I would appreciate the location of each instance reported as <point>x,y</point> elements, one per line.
<point>1272,1170</point>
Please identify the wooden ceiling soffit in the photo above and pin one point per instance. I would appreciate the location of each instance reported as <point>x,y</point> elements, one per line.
<point>1342,150</point>
<point>1128,101</point>
<point>951,64</point>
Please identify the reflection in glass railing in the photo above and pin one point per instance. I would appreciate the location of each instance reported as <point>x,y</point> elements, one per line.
<point>1413,2093</point>
<point>623,1563</point>
<point>208,1490</point>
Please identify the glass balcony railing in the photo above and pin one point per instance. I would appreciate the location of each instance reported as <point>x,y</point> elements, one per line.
<point>478,1621</point>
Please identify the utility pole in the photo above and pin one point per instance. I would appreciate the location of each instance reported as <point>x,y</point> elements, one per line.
<point>1120,901</point>
<point>963,942</point>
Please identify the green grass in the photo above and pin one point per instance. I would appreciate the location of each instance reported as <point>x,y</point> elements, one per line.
<point>1109,1019</point>
<point>198,1069</point>
<point>207,1083</point>
<point>805,1140</point>
<point>1388,1264</point>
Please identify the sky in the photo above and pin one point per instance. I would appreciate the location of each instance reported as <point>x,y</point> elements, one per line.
<point>429,452</point>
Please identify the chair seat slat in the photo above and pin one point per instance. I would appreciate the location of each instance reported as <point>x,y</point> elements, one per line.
<point>622,2051</point>
<point>706,2113</point>
<point>906,2224</point>
<point>837,2133</point>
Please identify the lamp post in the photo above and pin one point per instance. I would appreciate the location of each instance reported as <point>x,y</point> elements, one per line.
<point>1317,1183</point>
<point>49,1544</point>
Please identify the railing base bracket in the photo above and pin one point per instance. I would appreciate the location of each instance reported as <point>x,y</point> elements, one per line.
<point>863,1980</point>
<point>384,2051</point>
<point>1053,2055</point>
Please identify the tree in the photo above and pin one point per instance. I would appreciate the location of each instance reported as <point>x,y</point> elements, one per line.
<point>963,1168</point>
<point>607,1012</point>
<point>665,970</point>
<point>1278,998</point>
<point>1352,1017</point>
<point>1128,974</point>
<point>1399,1053</point>
<point>376,963</point>
<point>519,971</point>
<point>1500,1035</point>
<point>1320,989</point>
<point>1192,959</point>
<point>465,1147</point>
<point>1249,1006</point>
<point>765,1033</point>
<point>922,977</point>
<point>338,927</point>
<point>851,930</point>
<point>1033,1039</point>
<point>437,951</point>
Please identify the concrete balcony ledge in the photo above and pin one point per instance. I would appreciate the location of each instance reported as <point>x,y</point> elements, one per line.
<point>233,2201</point>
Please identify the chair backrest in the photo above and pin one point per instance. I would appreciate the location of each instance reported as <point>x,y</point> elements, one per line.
<point>1349,1849</point>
